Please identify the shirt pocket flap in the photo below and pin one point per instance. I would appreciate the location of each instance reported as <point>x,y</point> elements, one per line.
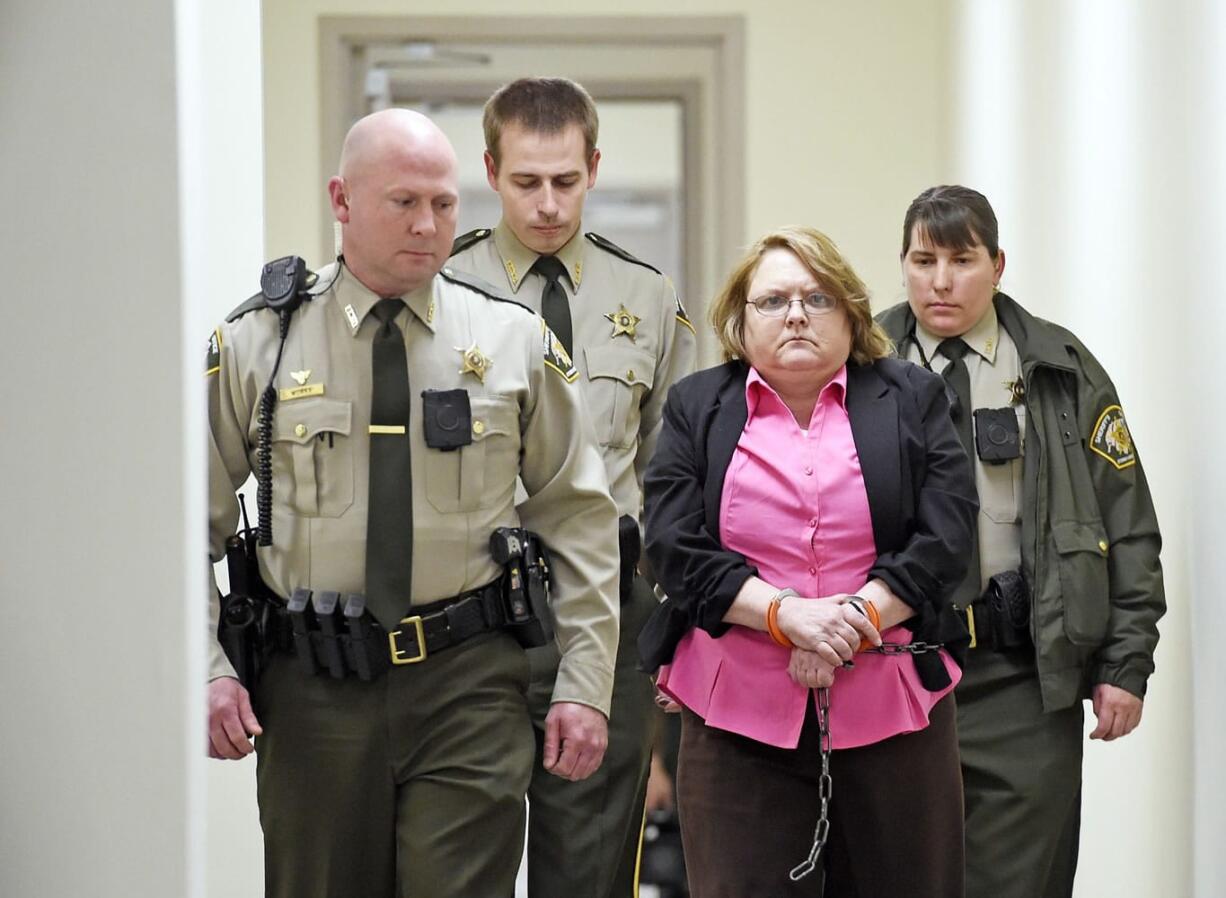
<point>301,420</point>
<point>493,415</point>
<point>628,364</point>
<point>1074,536</point>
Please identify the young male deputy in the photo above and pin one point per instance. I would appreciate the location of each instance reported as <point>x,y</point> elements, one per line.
<point>630,339</point>
<point>1065,588</point>
<point>390,416</point>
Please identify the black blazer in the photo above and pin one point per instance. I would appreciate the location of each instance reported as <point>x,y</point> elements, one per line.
<point>921,497</point>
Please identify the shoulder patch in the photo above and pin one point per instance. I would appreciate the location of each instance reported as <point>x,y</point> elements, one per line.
<point>259,301</point>
<point>212,359</point>
<point>485,288</point>
<point>472,238</point>
<point>1112,440</point>
<point>683,318</point>
<point>611,247</point>
<point>556,356</point>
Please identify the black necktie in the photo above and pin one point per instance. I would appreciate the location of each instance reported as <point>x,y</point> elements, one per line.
<point>389,521</point>
<point>555,308</point>
<point>959,380</point>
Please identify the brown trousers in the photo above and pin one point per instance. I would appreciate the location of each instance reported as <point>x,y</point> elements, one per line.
<point>748,812</point>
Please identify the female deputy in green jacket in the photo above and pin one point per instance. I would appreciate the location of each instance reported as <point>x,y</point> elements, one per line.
<point>1065,587</point>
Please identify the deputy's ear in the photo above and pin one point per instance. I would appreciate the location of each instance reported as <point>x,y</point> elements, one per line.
<point>339,199</point>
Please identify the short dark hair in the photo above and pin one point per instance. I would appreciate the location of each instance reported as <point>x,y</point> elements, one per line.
<point>954,217</point>
<point>542,105</point>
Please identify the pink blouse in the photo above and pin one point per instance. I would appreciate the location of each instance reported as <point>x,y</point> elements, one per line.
<point>794,505</point>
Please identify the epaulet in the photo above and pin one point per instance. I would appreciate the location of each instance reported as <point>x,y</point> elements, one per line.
<point>472,238</point>
<point>259,301</point>
<point>610,246</point>
<point>485,288</point>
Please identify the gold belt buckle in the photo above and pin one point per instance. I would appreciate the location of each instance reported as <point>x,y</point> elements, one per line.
<point>969,614</point>
<point>398,654</point>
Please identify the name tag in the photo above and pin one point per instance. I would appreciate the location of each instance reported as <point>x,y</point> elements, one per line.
<point>287,393</point>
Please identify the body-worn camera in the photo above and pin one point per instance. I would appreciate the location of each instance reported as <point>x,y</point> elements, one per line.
<point>997,438</point>
<point>448,419</point>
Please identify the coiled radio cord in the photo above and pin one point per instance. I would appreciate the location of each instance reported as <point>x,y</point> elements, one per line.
<point>263,452</point>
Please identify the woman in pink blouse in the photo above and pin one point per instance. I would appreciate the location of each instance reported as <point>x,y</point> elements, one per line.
<point>808,509</point>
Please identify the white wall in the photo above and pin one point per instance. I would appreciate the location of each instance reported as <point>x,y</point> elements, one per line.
<point>1200,255</point>
<point>223,156</point>
<point>134,194</point>
<point>1073,122</point>
<point>94,668</point>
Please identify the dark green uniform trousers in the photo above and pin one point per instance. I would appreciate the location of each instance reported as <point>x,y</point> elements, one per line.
<point>584,838</point>
<point>411,786</point>
<point>1021,772</point>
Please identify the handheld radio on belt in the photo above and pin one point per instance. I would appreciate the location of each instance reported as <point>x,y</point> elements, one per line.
<point>246,613</point>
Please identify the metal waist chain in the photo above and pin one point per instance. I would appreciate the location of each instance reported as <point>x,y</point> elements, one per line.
<point>825,782</point>
<point>825,789</point>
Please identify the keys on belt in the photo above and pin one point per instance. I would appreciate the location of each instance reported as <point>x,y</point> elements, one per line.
<point>968,615</point>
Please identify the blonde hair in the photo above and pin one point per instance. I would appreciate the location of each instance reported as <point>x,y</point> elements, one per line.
<point>819,254</point>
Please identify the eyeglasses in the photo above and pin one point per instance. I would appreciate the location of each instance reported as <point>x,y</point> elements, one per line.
<point>776,306</point>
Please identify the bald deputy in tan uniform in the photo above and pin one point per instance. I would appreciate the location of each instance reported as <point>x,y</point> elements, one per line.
<point>631,340</point>
<point>411,783</point>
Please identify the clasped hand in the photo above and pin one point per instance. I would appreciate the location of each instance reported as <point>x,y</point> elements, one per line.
<point>826,632</point>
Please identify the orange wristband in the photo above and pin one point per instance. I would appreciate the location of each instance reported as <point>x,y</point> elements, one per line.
<point>772,619</point>
<point>869,610</point>
<point>874,616</point>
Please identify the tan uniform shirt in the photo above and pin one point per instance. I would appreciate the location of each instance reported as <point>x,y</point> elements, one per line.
<point>527,421</point>
<point>632,341</point>
<point>994,369</point>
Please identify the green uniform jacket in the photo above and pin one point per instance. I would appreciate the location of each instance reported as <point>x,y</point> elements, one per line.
<point>1090,539</point>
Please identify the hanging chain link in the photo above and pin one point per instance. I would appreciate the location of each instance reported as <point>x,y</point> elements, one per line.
<point>825,789</point>
<point>825,782</point>
<point>903,648</point>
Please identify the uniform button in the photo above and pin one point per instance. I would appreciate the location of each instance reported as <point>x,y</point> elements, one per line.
<point>630,375</point>
<point>300,430</point>
<point>1102,545</point>
<point>478,427</point>
<point>812,570</point>
<point>808,470</point>
<point>812,522</point>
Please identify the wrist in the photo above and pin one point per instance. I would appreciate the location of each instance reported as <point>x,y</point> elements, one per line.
<point>772,618</point>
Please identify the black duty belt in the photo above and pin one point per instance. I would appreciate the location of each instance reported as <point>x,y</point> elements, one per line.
<point>441,625</point>
<point>340,638</point>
